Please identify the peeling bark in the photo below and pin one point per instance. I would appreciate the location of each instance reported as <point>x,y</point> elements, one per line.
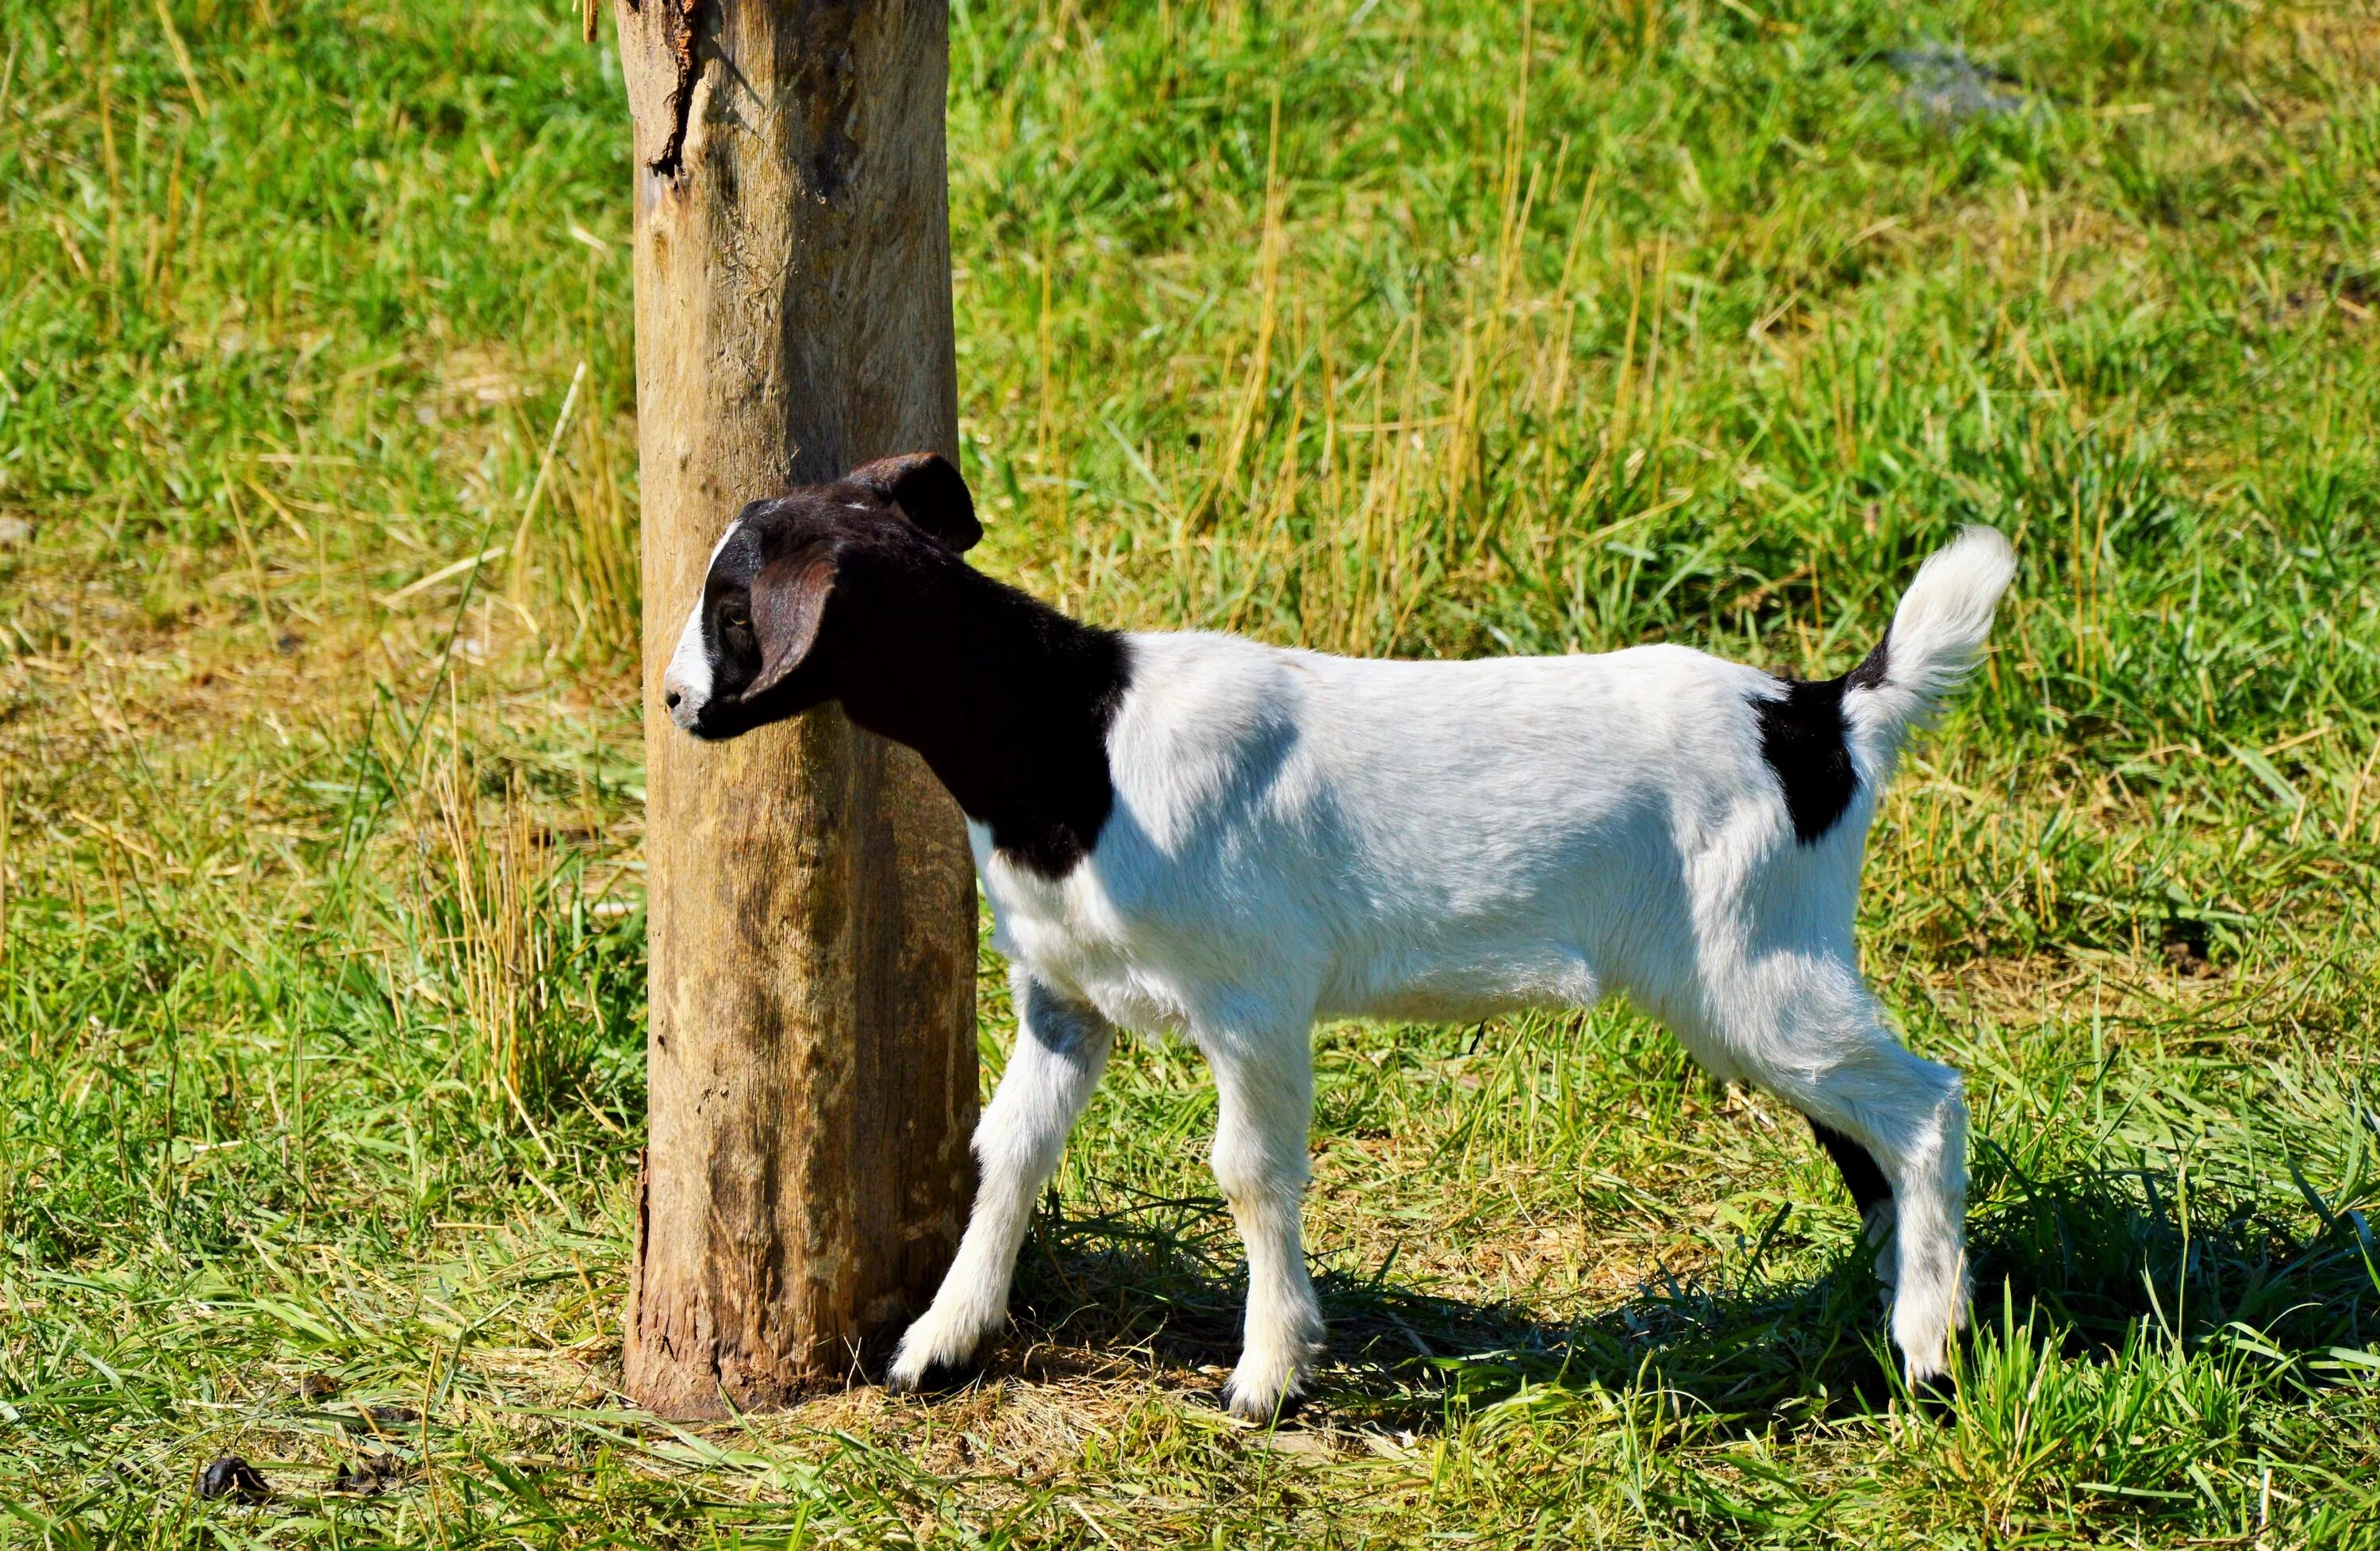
<point>677,24</point>
<point>658,52</point>
<point>811,907</point>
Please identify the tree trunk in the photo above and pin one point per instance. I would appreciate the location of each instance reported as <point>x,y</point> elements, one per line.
<point>812,917</point>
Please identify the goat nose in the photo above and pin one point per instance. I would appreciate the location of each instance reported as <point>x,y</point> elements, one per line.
<point>674,697</point>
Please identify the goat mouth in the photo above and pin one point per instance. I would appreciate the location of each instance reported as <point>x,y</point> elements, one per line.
<point>731,716</point>
<point>719,720</point>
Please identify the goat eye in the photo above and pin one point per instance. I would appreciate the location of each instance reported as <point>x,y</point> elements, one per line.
<point>736,622</point>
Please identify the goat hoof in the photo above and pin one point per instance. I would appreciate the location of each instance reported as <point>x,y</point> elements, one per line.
<point>1937,1397</point>
<point>1261,1410</point>
<point>935,1355</point>
<point>941,1379</point>
<point>933,1378</point>
<point>1263,1403</point>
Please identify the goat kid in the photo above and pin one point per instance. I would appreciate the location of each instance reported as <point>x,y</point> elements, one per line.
<point>1197,834</point>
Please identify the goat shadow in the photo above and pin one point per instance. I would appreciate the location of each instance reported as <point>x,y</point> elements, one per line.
<point>2087,1254</point>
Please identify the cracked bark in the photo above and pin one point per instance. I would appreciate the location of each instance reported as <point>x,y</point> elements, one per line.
<point>670,25</point>
<point>811,908</point>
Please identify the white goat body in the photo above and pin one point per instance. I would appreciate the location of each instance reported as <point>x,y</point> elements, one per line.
<point>1294,836</point>
<point>1298,836</point>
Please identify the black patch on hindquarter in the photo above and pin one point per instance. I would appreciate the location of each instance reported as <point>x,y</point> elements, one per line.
<point>1862,1175</point>
<point>1009,701</point>
<point>1802,737</point>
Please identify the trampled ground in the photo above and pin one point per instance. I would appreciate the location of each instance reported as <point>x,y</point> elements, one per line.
<point>1385,326</point>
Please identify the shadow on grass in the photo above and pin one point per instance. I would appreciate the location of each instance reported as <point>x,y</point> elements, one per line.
<point>2093,1254</point>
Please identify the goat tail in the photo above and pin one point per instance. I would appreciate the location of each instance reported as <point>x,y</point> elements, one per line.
<point>1938,636</point>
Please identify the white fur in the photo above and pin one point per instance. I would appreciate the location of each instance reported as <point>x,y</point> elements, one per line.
<point>685,682</point>
<point>1297,837</point>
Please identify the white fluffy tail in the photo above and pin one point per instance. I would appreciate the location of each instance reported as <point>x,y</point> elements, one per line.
<point>1938,634</point>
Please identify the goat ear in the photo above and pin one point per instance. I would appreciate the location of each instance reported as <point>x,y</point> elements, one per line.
<point>927,488</point>
<point>788,602</point>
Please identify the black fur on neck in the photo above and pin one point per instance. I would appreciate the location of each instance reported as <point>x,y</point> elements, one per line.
<point>1009,701</point>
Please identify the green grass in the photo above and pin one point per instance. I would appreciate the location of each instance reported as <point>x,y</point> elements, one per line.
<point>1387,326</point>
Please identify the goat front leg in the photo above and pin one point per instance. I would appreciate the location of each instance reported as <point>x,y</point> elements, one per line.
<point>1061,1048</point>
<point>1266,1104</point>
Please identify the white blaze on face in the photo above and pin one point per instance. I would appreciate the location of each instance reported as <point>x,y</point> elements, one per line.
<point>685,684</point>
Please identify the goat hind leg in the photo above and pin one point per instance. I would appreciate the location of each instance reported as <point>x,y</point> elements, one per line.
<point>1929,1296</point>
<point>1819,1042</point>
<point>1909,1116</point>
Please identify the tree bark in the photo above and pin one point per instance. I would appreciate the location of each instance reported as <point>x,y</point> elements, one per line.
<point>811,902</point>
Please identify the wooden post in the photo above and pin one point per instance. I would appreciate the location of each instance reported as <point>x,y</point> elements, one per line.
<point>811,1061</point>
